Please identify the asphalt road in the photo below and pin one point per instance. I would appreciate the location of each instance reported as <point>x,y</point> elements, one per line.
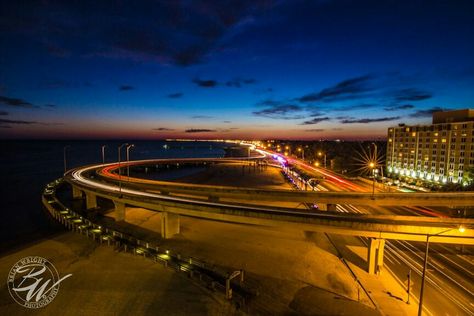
<point>449,287</point>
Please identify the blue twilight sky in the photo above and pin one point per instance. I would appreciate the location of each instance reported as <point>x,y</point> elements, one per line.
<point>231,69</point>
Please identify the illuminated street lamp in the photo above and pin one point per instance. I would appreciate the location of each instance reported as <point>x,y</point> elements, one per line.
<point>372,166</point>
<point>128,159</point>
<point>461,229</point>
<point>119,171</point>
<point>316,163</point>
<point>321,154</point>
<point>302,152</point>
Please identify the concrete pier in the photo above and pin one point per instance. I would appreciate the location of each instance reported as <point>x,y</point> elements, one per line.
<point>76,193</point>
<point>169,224</point>
<point>91,200</point>
<point>375,255</point>
<point>119,211</point>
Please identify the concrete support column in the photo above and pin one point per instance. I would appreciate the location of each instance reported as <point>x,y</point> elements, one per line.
<point>375,255</point>
<point>76,193</point>
<point>327,207</point>
<point>169,224</point>
<point>91,200</point>
<point>119,211</point>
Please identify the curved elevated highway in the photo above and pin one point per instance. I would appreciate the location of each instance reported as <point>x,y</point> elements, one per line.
<point>175,199</point>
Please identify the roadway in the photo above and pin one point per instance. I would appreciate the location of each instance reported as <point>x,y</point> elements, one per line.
<point>449,286</point>
<point>453,287</point>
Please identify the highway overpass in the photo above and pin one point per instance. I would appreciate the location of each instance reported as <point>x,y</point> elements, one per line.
<point>377,228</point>
<point>214,193</point>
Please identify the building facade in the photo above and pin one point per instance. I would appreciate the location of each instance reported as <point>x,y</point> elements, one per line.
<point>442,152</point>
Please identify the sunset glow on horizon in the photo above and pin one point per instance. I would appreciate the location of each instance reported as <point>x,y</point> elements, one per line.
<point>248,70</point>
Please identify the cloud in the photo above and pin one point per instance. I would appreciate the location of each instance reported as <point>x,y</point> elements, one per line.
<point>49,105</point>
<point>55,84</point>
<point>361,106</point>
<point>14,102</point>
<point>344,117</point>
<point>162,129</point>
<point>199,117</point>
<point>412,94</point>
<point>3,113</point>
<point>400,107</point>
<point>199,130</point>
<point>349,88</point>
<point>126,88</point>
<point>19,122</point>
<point>428,112</point>
<point>316,113</point>
<point>268,102</point>
<point>315,130</point>
<point>315,120</point>
<point>239,82</point>
<point>205,83</point>
<point>281,111</point>
<point>54,50</point>
<point>368,120</point>
<point>175,95</point>
<point>7,122</point>
<point>226,122</point>
<point>167,32</point>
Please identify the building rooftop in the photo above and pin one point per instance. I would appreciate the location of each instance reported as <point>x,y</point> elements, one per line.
<point>455,116</point>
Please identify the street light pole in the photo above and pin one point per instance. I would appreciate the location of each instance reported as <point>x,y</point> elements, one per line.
<point>321,154</point>
<point>103,153</point>
<point>119,171</point>
<point>374,166</point>
<point>425,264</point>
<point>373,182</point>
<point>375,152</point>
<point>128,159</point>
<point>302,152</point>
<point>64,157</point>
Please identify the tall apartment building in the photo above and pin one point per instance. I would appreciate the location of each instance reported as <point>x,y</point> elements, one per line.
<point>441,152</point>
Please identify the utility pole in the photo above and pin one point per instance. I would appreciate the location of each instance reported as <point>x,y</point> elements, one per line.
<point>128,159</point>
<point>119,171</point>
<point>64,157</point>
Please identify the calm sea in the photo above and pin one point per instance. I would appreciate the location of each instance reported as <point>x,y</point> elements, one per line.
<point>26,166</point>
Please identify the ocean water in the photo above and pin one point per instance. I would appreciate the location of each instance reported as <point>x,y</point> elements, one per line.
<point>26,166</point>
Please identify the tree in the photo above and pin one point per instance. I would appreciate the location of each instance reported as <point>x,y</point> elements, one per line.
<point>468,175</point>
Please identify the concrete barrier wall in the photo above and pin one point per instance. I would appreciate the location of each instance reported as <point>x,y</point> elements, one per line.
<point>370,182</point>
